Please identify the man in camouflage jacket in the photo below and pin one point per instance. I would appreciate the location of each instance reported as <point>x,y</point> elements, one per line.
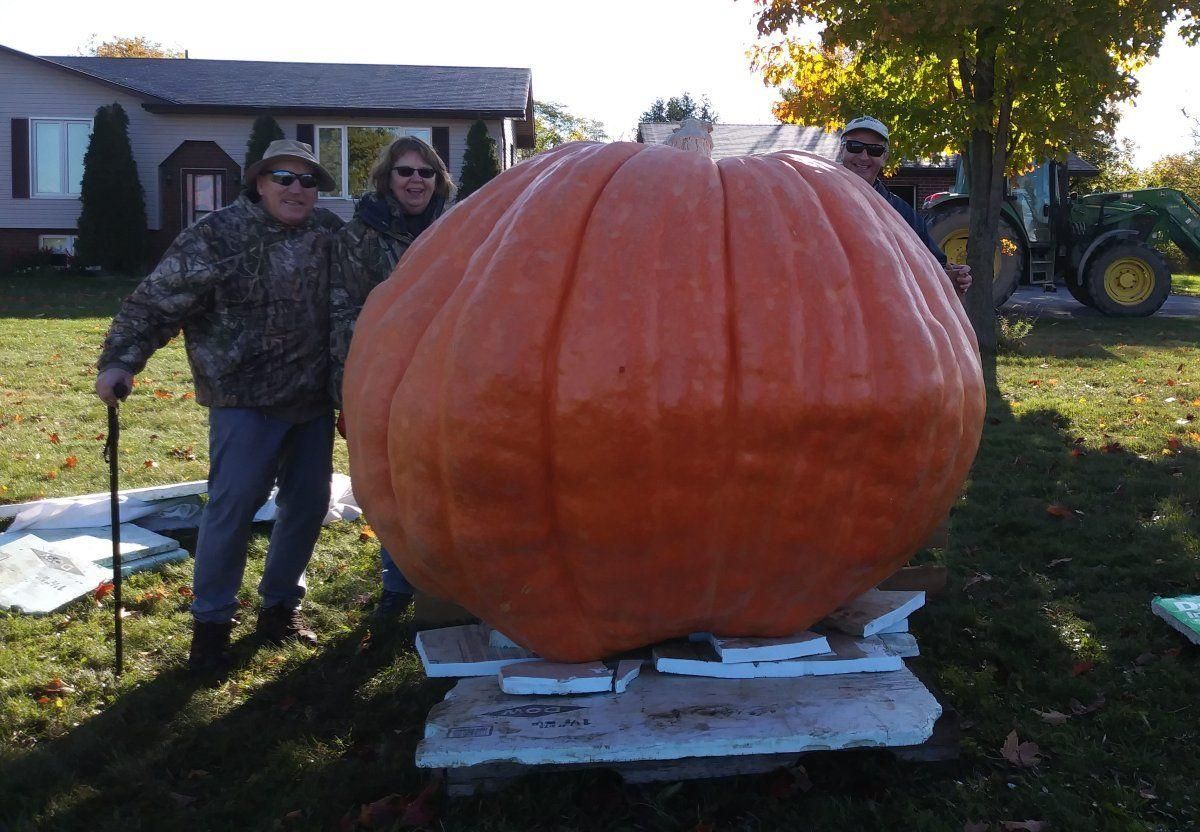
<point>249,287</point>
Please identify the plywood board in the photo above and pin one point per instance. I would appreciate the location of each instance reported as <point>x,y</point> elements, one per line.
<point>666,717</point>
<point>847,655</point>
<point>736,650</point>
<point>874,611</point>
<point>465,651</point>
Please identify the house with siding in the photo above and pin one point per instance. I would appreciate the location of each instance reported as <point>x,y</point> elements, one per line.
<point>190,120</point>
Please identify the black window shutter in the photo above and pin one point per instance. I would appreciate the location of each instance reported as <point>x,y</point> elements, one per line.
<point>441,143</point>
<point>20,158</point>
<point>305,133</point>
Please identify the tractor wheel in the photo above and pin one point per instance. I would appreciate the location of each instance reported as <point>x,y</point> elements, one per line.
<point>1079,290</point>
<point>949,230</point>
<point>1128,280</point>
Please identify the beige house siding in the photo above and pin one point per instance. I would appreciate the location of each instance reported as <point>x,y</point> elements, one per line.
<point>30,90</point>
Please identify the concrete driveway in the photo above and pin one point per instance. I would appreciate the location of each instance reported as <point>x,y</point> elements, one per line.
<point>1031,300</point>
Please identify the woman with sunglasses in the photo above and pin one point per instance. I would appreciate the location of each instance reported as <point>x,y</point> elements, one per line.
<point>410,188</point>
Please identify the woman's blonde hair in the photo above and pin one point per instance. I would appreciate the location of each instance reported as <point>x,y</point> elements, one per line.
<point>381,173</point>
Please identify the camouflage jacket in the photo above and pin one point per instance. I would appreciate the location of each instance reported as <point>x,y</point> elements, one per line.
<point>365,253</point>
<point>252,298</point>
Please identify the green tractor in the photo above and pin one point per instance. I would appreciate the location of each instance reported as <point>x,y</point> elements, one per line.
<point>1101,246</point>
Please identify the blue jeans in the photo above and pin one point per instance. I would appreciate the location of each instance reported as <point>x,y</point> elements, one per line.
<point>249,452</point>
<point>393,578</point>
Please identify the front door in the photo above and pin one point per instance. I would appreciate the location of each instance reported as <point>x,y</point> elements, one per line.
<point>203,193</point>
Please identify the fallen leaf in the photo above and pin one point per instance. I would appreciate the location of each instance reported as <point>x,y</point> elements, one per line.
<point>1080,668</point>
<point>1052,717</point>
<point>56,687</point>
<point>150,463</point>
<point>54,439</point>
<point>294,816</point>
<point>186,592</point>
<point>977,578</point>
<point>188,395</point>
<point>1170,382</point>
<point>1059,510</point>
<point>100,436</point>
<point>1025,754</point>
<point>1079,709</point>
<point>1147,794</point>
<point>1113,448</point>
<point>1057,562</point>
<point>367,533</point>
<point>70,462</point>
<point>364,643</point>
<point>51,475</point>
<point>1173,443</point>
<point>1137,399</point>
<point>163,394</point>
<point>103,589</point>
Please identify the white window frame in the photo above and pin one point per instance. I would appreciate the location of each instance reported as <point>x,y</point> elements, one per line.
<point>422,131</point>
<point>64,154</point>
<point>67,248</point>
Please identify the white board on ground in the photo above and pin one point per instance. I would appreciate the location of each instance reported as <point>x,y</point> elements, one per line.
<point>465,651</point>
<point>54,510</point>
<point>847,655</point>
<point>533,678</point>
<point>875,611</point>
<point>665,717</point>
<point>903,645</point>
<point>498,639</point>
<point>43,570</point>
<point>898,627</point>
<point>735,650</point>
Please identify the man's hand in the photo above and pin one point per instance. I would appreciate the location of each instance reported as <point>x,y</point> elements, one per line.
<point>107,383</point>
<point>960,276</point>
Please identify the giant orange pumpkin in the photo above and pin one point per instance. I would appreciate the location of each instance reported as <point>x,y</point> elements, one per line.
<point>625,393</point>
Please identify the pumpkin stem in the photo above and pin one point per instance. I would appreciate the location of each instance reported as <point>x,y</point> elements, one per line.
<point>694,135</point>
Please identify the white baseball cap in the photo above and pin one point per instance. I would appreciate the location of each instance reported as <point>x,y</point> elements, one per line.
<point>867,123</point>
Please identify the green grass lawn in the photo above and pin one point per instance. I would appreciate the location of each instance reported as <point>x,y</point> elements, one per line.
<point>1185,284</point>
<point>1083,504</point>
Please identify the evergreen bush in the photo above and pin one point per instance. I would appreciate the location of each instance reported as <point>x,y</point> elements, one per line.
<point>265,130</point>
<point>112,223</point>
<point>480,162</point>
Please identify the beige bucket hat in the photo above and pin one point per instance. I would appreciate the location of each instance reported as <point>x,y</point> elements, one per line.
<point>290,149</point>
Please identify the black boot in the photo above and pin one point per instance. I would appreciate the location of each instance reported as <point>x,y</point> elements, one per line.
<point>390,607</point>
<point>278,624</point>
<point>210,647</point>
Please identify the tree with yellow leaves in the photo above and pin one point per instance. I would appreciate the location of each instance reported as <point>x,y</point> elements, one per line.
<point>1006,82</point>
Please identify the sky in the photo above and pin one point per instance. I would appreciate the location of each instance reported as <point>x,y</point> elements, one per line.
<point>607,61</point>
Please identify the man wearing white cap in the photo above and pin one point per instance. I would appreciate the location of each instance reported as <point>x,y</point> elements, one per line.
<point>249,287</point>
<point>864,151</point>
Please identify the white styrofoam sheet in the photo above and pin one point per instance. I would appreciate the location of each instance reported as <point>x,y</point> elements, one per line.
<point>45,569</point>
<point>666,717</point>
<point>847,655</point>
<point>466,651</point>
<point>874,611</point>
<point>531,678</point>
<point>736,650</point>
<point>903,645</point>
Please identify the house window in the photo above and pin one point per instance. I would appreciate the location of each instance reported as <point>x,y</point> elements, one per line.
<point>58,243</point>
<point>202,194</point>
<point>349,153</point>
<point>56,160</point>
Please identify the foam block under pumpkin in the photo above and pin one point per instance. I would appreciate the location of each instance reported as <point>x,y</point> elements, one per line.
<point>624,393</point>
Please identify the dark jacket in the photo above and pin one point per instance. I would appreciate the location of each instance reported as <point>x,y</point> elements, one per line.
<point>252,297</point>
<point>365,253</point>
<point>915,221</point>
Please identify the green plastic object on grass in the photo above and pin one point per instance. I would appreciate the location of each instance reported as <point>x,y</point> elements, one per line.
<point>1182,613</point>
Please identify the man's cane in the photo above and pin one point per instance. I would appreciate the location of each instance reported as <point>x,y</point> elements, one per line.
<point>110,456</point>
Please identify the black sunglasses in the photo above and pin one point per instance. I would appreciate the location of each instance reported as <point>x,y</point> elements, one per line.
<point>875,150</point>
<point>285,178</point>
<point>405,171</point>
